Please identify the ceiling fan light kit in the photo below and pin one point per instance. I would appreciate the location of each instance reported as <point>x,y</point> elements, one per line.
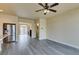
<point>46,11</point>
<point>46,8</point>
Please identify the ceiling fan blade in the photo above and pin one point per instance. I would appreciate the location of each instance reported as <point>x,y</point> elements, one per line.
<point>52,10</point>
<point>55,4</point>
<point>39,10</point>
<point>41,5</point>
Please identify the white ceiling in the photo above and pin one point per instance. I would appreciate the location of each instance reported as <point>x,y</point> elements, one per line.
<point>27,10</point>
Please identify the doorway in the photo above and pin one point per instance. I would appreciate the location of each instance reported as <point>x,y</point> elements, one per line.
<point>23,30</point>
<point>10,30</point>
<point>23,37</point>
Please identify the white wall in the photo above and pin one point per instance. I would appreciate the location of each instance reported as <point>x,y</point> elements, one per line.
<point>42,28</point>
<point>64,28</point>
<point>32,25</point>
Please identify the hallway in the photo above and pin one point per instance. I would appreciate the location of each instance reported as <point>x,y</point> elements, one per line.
<point>29,46</point>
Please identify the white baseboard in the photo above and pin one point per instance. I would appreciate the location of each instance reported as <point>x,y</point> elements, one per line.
<point>74,46</point>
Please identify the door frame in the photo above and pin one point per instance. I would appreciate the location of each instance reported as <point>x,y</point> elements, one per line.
<point>11,28</point>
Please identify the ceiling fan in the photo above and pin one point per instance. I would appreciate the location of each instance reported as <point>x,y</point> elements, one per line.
<point>47,8</point>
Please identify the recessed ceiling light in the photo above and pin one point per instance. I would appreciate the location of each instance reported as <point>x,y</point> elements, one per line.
<point>1,10</point>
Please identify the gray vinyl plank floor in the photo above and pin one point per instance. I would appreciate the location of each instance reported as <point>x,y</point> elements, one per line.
<point>37,47</point>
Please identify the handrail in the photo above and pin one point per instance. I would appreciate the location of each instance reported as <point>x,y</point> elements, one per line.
<point>2,37</point>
